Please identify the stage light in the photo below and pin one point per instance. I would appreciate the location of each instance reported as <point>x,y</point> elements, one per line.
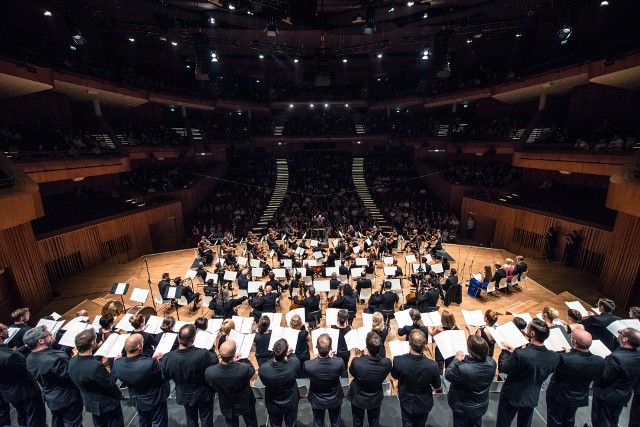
<point>392,9</point>
<point>261,56</point>
<point>564,34</point>
<point>174,43</point>
<point>604,3</point>
<point>425,16</point>
<point>231,7</point>
<point>214,57</point>
<point>369,29</point>
<point>212,20</point>
<point>131,39</point>
<point>311,106</point>
<point>78,39</point>
<point>346,105</point>
<point>425,54</point>
<point>379,56</point>
<point>296,61</point>
<point>47,13</point>
<point>290,105</point>
<point>72,47</point>
<point>344,60</point>
<point>469,40</point>
<point>188,66</point>
<point>518,34</point>
<point>326,105</point>
<point>410,3</point>
<point>359,142</point>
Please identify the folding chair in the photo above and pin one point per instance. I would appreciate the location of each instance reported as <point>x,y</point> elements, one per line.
<point>365,294</point>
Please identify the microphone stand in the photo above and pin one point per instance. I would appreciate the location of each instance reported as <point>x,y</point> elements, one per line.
<point>464,264</point>
<point>149,284</point>
<point>473,259</point>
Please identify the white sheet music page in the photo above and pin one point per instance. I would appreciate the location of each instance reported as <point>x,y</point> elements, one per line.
<point>473,318</point>
<point>508,334</point>
<point>139,295</point>
<point>166,343</point>
<point>299,311</point>
<point>556,341</point>
<point>398,348</point>
<point>599,349</point>
<point>450,342</point>
<point>403,318</point>
<point>577,306</point>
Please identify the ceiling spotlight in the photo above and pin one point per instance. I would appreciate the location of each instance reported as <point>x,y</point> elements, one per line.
<point>518,34</point>
<point>326,105</point>
<point>78,39</point>
<point>564,34</point>
<point>425,16</point>
<point>47,13</point>
<point>271,28</point>
<point>344,60</point>
<point>232,7</point>
<point>290,105</point>
<point>296,60</point>
<point>369,28</point>
<point>425,54</point>
<point>249,12</point>
<point>214,57</point>
<point>410,3</point>
<point>188,66</point>
<point>131,39</point>
<point>311,105</point>
<point>174,43</point>
<point>392,9</point>
<point>379,55</point>
<point>346,105</point>
<point>603,3</point>
<point>212,20</point>
<point>261,56</point>
<point>469,40</point>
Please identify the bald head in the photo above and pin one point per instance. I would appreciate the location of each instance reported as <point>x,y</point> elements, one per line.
<point>581,339</point>
<point>228,351</point>
<point>133,344</point>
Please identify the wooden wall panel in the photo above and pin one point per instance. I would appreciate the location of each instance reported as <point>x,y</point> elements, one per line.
<point>622,266</point>
<point>522,231</point>
<point>116,240</point>
<point>19,254</point>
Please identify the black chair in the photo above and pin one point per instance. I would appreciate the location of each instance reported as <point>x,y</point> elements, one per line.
<point>454,295</point>
<point>313,319</point>
<point>387,315</point>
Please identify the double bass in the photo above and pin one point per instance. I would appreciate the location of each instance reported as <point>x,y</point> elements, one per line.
<point>301,296</point>
<point>335,297</point>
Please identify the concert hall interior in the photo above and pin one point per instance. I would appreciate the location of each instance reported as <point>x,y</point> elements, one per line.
<point>406,176</point>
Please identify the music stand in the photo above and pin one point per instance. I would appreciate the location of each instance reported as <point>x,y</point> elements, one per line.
<point>120,289</point>
<point>173,293</point>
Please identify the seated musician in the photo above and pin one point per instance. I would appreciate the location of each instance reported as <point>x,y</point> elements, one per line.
<point>164,284</point>
<point>343,270</point>
<point>263,263</point>
<point>383,301</point>
<point>265,302</point>
<point>334,283</point>
<point>363,282</point>
<point>428,301</point>
<point>452,280</point>
<point>243,280</point>
<point>340,248</point>
<point>296,282</point>
<point>412,243</point>
<point>331,258</point>
<point>445,263</point>
<point>223,305</point>
<point>275,284</point>
<point>311,303</point>
<point>398,272</point>
<point>220,272</point>
<point>187,292</point>
<point>230,258</point>
<point>205,251</point>
<point>309,270</point>
<point>201,271</point>
<point>347,300</point>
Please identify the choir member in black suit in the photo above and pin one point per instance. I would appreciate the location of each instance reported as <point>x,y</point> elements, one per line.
<point>281,390</point>
<point>596,324</point>
<point>325,391</point>
<point>369,371</point>
<point>51,369</point>
<point>20,318</point>
<point>569,387</point>
<point>383,301</point>
<point>527,368</point>
<point>452,280</point>
<point>18,388</point>
<point>612,391</point>
<point>145,380</point>
<point>311,303</point>
<point>230,379</point>
<point>520,267</point>
<point>98,387</point>
<point>470,378</point>
<point>164,284</point>
<point>347,300</point>
<point>185,367</point>
<point>417,377</point>
<point>505,354</point>
<point>266,303</point>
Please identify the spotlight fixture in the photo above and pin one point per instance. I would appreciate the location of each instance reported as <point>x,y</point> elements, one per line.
<point>311,106</point>
<point>564,34</point>
<point>231,7</point>
<point>604,3</point>
<point>370,26</point>
<point>214,57</point>
<point>271,28</point>
<point>131,39</point>
<point>469,40</point>
<point>344,61</point>
<point>326,105</point>
<point>261,56</point>
<point>47,13</point>
<point>379,56</point>
<point>249,12</point>
<point>425,54</point>
<point>174,43</point>
<point>212,20</point>
<point>518,34</point>
<point>410,3</point>
<point>290,105</point>
<point>78,39</point>
<point>346,105</point>
<point>425,16</point>
<point>296,60</point>
<point>392,9</point>
<point>188,66</point>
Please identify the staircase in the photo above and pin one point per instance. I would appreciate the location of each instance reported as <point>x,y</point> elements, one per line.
<point>104,138</point>
<point>535,134</point>
<point>443,130</point>
<point>197,135</point>
<point>282,182</point>
<point>357,174</point>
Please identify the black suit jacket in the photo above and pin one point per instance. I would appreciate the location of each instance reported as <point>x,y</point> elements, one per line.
<point>428,301</point>
<point>243,282</point>
<point>267,303</point>
<point>231,382</point>
<point>470,382</point>
<point>185,367</point>
<point>520,268</point>
<point>343,270</point>
<point>310,303</point>
<point>573,376</point>
<point>16,383</point>
<point>334,283</point>
<point>363,283</point>
<point>621,373</point>
<point>324,373</point>
<point>499,275</point>
<point>597,327</point>
<point>416,377</point>
<point>451,281</point>
<point>16,341</point>
<point>347,302</point>
<point>145,380</point>
<point>51,369</point>
<point>385,301</point>
<point>279,379</point>
<point>163,285</point>
<point>98,387</point>
<point>368,374</point>
<point>527,368</point>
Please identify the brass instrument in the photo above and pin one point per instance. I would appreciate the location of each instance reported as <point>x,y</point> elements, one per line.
<point>113,307</point>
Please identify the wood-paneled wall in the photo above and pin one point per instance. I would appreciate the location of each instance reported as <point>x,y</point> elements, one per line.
<point>19,255</point>
<point>522,231</point>
<point>622,265</point>
<point>116,240</point>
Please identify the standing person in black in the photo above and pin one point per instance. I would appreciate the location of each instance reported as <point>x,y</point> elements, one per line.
<point>520,267</point>
<point>147,387</point>
<point>281,390</point>
<point>383,301</point>
<point>20,318</point>
<point>51,369</point>
<point>303,343</point>
<point>428,300</point>
<point>527,369</point>
<point>262,338</point>
<point>612,391</point>
<point>18,388</point>
<point>470,378</point>
<point>98,387</point>
<point>265,303</point>
<point>569,386</point>
<point>549,244</point>
<point>417,377</point>
<point>369,371</point>
<point>311,303</point>
<point>185,367</point>
<point>451,281</point>
<point>596,324</point>
<point>325,391</point>
<point>230,379</point>
<point>343,329</point>
<point>347,301</point>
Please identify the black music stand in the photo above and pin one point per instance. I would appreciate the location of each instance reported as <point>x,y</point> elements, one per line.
<point>120,289</point>
<point>174,293</point>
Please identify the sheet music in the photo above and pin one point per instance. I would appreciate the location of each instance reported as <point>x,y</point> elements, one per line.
<point>330,270</point>
<point>153,325</point>
<point>254,263</point>
<point>509,334</point>
<point>557,341</point>
<point>361,262</point>
<point>12,333</point>
<point>410,259</point>
<point>317,255</point>
<point>230,275</point>
<point>204,339</point>
<point>395,284</point>
<point>388,260</point>
<point>437,268</point>
<point>398,348</point>
<point>415,267</point>
<point>287,263</point>
<point>313,243</point>
<point>356,250</point>
<point>179,324</point>
<point>55,316</point>
<point>276,334</point>
<point>431,319</point>
<point>618,325</point>
<point>52,325</point>
<point>322,285</point>
<point>449,342</point>
<point>429,258</point>
<point>577,306</point>
<point>242,261</point>
<point>96,324</point>
<point>337,263</point>
<point>139,295</point>
<point>69,337</point>
<point>333,333</point>
<point>555,321</point>
<point>275,318</point>
<point>106,346</point>
<point>368,241</point>
<point>331,316</point>
<point>171,292</point>
<point>599,349</point>
<point>243,343</point>
<point>166,343</point>
<point>299,251</point>
<point>473,318</point>
<point>595,310</point>
<point>190,274</point>
<point>367,320</point>
<point>299,311</point>
<point>212,276</point>
<point>478,277</point>
<point>121,288</point>
<point>124,324</point>
<point>77,323</point>
<point>356,272</point>
<point>242,324</point>
<point>402,318</point>
<point>214,325</point>
<point>524,316</point>
<point>280,273</point>
<point>389,271</point>
<point>311,262</point>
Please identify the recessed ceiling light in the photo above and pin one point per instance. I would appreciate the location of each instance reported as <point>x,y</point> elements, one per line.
<point>296,60</point>
<point>261,56</point>
<point>326,105</point>
<point>174,43</point>
<point>311,105</point>
<point>131,39</point>
<point>344,60</point>
<point>212,20</point>
<point>604,3</point>
<point>47,13</point>
<point>379,55</point>
<point>290,105</point>
<point>410,3</point>
<point>346,105</point>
